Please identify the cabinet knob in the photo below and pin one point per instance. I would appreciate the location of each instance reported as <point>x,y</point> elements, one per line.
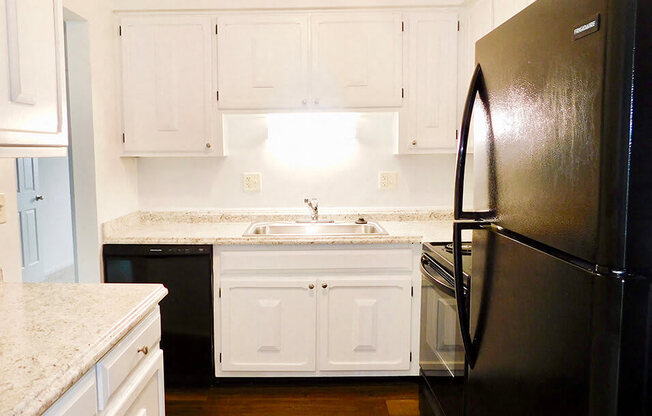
<point>208,145</point>
<point>311,286</point>
<point>324,285</point>
<point>414,142</point>
<point>316,101</point>
<point>144,349</point>
<point>39,197</point>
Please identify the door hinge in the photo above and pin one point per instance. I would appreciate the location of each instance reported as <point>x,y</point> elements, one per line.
<point>411,290</point>
<point>123,138</point>
<point>457,135</point>
<point>216,29</point>
<point>402,92</point>
<point>402,26</point>
<point>217,94</point>
<point>220,357</point>
<point>120,30</point>
<point>410,356</point>
<point>458,25</point>
<point>219,292</point>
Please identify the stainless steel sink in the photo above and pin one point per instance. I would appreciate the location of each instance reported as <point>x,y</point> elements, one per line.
<point>276,229</point>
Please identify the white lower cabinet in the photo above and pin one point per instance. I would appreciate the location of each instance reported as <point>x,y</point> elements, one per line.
<point>364,324</point>
<point>127,381</point>
<point>268,325</point>
<point>316,311</point>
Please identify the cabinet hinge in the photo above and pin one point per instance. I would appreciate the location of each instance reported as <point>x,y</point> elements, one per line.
<point>123,138</point>
<point>458,25</point>
<point>219,292</point>
<point>216,29</point>
<point>220,357</point>
<point>402,92</point>
<point>120,30</point>
<point>402,26</point>
<point>410,356</point>
<point>457,135</point>
<point>411,290</point>
<point>217,94</point>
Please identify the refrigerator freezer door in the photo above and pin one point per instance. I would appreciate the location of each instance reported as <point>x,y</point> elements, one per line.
<point>540,142</point>
<point>530,320</point>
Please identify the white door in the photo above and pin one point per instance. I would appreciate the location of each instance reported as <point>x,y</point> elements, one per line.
<point>31,91</point>
<point>151,399</point>
<point>356,59</point>
<point>167,99</point>
<point>268,324</point>
<point>262,61</point>
<point>433,81</point>
<point>28,206</point>
<point>364,324</point>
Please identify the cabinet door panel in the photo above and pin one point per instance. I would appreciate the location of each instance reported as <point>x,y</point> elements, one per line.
<point>364,324</point>
<point>433,92</point>
<point>263,61</point>
<point>30,44</point>
<point>268,325</point>
<point>356,59</point>
<point>166,84</point>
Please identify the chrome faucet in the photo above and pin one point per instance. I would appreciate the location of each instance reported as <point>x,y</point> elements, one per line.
<point>313,204</point>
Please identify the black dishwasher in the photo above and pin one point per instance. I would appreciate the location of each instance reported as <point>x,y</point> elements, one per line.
<point>187,310</point>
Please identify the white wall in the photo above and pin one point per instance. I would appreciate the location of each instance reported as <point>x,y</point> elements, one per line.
<point>340,174</point>
<point>10,256</point>
<point>55,221</point>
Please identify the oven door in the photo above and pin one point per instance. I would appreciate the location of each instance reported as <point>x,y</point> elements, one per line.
<point>441,350</point>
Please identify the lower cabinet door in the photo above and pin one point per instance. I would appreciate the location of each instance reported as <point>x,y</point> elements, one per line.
<point>149,402</point>
<point>364,324</point>
<point>268,324</point>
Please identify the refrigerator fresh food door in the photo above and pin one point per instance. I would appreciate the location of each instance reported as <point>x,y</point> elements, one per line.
<point>538,136</point>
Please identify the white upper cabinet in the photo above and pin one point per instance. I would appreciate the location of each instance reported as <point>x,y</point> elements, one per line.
<point>263,61</point>
<point>32,111</point>
<point>356,59</point>
<point>168,99</point>
<point>432,80</point>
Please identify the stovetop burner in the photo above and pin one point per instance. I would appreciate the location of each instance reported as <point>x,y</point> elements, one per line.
<point>466,248</point>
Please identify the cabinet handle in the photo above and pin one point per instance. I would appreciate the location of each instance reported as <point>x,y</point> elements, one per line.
<point>311,286</point>
<point>144,349</point>
<point>324,285</point>
<point>39,198</point>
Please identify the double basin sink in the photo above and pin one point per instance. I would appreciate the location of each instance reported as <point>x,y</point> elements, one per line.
<point>315,229</point>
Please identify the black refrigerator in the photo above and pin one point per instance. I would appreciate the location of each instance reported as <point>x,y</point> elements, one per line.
<point>559,316</point>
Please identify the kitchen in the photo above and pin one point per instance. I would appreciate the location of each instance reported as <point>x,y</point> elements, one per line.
<point>273,207</point>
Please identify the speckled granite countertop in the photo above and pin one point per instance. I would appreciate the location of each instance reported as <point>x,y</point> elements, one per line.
<point>227,228</point>
<point>52,334</point>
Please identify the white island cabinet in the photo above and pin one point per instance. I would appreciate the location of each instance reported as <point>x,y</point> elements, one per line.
<point>127,381</point>
<point>323,310</point>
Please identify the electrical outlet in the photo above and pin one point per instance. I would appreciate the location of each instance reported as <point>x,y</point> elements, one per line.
<point>3,208</point>
<point>388,180</point>
<point>251,182</point>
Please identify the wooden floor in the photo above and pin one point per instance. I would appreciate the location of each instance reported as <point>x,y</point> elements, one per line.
<point>305,398</point>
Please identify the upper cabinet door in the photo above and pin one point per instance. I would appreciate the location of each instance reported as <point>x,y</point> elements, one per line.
<point>356,59</point>
<point>31,69</point>
<point>167,93</point>
<point>263,61</point>
<point>433,81</point>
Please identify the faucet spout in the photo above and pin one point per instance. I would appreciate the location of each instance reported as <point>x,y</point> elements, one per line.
<point>313,204</point>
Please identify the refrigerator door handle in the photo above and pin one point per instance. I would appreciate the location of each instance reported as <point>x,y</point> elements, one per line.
<point>477,87</point>
<point>462,299</point>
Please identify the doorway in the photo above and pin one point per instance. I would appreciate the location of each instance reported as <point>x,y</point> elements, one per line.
<point>45,219</point>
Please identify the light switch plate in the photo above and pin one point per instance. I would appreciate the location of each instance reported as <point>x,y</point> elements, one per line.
<point>252,182</point>
<point>388,180</point>
<point>3,208</point>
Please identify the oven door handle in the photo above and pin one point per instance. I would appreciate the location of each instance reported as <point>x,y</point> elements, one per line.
<point>443,285</point>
